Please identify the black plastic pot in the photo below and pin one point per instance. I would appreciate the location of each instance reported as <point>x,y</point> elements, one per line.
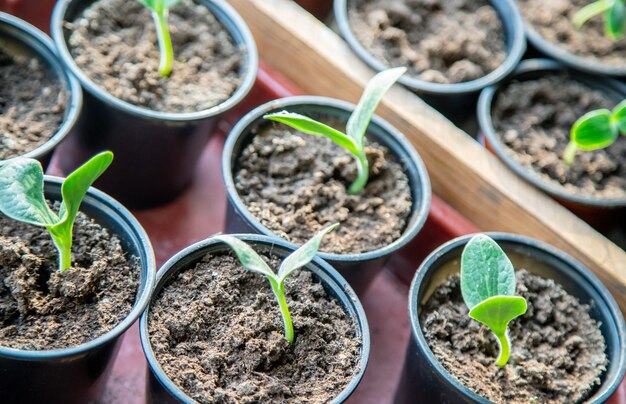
<point>156,153</point>
<point>424,377</point>
<point>596,211</point>
<point>547,48</point>
<point>22,38</point>
<point>160,389</point>
<point>78,374</point>
<point>456,101</point>
<point>358,269</point>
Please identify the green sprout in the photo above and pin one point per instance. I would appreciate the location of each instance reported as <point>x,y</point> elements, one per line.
<point>354,140</point>
<point>159,9</point>
<point>614,12</point>
<point>596,130</point>
<point>299,258</point>
<point>488,288</point>
<point>22,198</point>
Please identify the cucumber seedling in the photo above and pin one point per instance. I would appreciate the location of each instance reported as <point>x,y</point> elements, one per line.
<point>613,11</point>
<point>160,10</point>
<point>488,289</point>
<point>254,263</point>
<point>22,198</point>
<point>596,130</point>
<point>354,138</point>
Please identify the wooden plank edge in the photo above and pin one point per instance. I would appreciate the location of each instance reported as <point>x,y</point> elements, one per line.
<point>462,172</point>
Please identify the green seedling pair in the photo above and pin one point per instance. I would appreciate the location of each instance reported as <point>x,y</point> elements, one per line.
<point>613,12</point>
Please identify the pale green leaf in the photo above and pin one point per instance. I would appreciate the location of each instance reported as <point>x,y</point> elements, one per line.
<point>497,312</point>
<point>373,94</point>
<point>486,271</point>
<point>21,192</point>
<point>594,130</point>
<point>591,10</point>
<point>304,254</point>
<point>312,127</point>
<point>247,256</point>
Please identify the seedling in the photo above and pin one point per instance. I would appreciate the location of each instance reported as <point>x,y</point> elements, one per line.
<point>596,130</point>
<point>299,258</point>
<point>488,288</point>
<point>614,12</point>
<point>159,9</point>
<point>354,138</point>
<point>22,198</point>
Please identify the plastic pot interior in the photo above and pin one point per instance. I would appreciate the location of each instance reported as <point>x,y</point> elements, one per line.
<point>529,70</point>
<point>333,283</point>
<point>378,130</point>
<point>68,10</point>
<point>21,38</point>
<point>53,373</point>
<point>540,259</point>
<point>567,58</point>
<point>515,39</point>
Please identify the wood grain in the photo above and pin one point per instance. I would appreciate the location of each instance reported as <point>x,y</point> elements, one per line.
<point>462,172</point>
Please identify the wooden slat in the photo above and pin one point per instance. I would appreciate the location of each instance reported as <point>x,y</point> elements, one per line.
<point>462,171</point>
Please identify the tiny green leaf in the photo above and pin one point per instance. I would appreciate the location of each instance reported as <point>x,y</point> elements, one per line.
<point>373,94</point>
<point>253,262</point>
<point>22,198</point>
<point>312,127</point>
<point>21,193</point>
<point>304,254</point>
<point>354,140</point>
<point>615,21</point>
<point>619,117</point>
<point>594,130</point>
<point>488,288</point>
<point>247,256</point>
<point>486,271</point>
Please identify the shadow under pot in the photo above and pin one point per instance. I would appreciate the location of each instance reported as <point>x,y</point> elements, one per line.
<point>157,127</point>
<point>319,8</point>
<point>213,331</point>
<point>40,100</point>
<point>61,331</point>
<point>526,122</point>
<point>568,347</point>
<point>282,182</point>
<point>550,30</point>
<point>434,44</point>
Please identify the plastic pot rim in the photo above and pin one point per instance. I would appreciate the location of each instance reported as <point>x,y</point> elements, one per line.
<point>485,101</point>
<point>586,275</point>
<point>68,81</point>
<point>420,207</point>
<point>231,22</point>
<point>339,286</point>
<point>98,198</point>
<point>514,53</point>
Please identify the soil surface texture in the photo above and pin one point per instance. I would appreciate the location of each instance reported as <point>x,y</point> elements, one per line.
<point>534,118</point>
<point>42,308</point>
<point>32,104</point>
<point>296,184</point>
<point>553,21</point>
<point>115,43</point>
<point>439,41</point>
<point>217,332</point>
<point>557,352</point>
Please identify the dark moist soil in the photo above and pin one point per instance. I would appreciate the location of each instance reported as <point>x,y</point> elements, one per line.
<point>439,41</point>
<point>32,104</point>
<point>534,117</point>
<point>43,309</point>
<point>557,352</point>
<point>296,184</point>
<point>115,43</point>
<point>217,332</point>
<point>553,21</point>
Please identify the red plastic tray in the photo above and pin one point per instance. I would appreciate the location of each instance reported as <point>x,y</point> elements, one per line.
<point>199,213</point>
